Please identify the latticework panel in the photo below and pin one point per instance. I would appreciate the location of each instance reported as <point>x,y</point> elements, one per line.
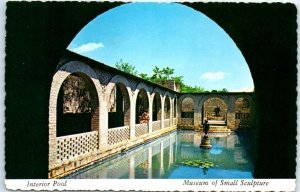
<point>104,76</point>
<point>186,121</point>
<point>166,123</point>
<point>141,129</point>
<point>117,135</point>
<point>69,147</point>
<point>132,84</point>
<point>156,125</point>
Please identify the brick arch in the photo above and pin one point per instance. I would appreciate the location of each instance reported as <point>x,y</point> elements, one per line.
<point>157,89</point>
<point>118,79</point>
<point>156,98</point>
<point>208,109</point>
<point>242,114</point>
<point>181,98</point>
<point>140,86</point>
<point>207,97</point>
<point>248,97</point>
<point>126,89</point>
<point>57,80</point>
<point>118,82</point>
<point>167,110</point>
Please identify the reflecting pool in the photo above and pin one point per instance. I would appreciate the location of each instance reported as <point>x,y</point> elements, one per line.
<point>163,157</point>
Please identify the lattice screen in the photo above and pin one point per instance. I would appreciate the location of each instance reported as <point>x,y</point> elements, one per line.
<point>186,121</point>
<point>156,125</point>
<point>117,135</point>
<point>104,76</point>
<point>69,147</point>
<point>167,123</point>
<point>141,129</point>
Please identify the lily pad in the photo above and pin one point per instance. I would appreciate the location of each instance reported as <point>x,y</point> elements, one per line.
<point>199,163</point>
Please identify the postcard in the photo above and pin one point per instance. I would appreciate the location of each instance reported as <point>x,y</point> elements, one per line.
<point>151,96</point>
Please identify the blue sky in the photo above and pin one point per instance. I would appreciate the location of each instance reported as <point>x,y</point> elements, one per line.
<point>166,34</point>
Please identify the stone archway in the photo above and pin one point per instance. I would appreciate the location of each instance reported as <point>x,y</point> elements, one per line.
<point>118,106</point>
<point>61,150</point>
<point>187,112</point>
<point>215,110</point>
<point>77,106</point>
<point>242,112</point>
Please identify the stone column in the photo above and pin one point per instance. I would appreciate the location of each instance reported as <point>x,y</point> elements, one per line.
<point>132,116</point>
<point>231,113</point>
<point>171,111</point>
<point>162,112</point>
<point>103,125</point>
<point>150,113</point>
<point>197,115</point>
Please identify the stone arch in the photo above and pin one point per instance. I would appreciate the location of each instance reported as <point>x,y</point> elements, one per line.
<point>209,96</point>
<point>77,106</point>
<point>57,81</point>
<point>181,98</point>
<point>214,109</point>
<point>141,104</point>
<point>242,110</point>
<point>187,109</point>
<point>118,102</point>
<point>156,106</point>
<point>167,106</point>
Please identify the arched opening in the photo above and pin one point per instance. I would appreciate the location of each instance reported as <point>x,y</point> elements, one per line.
<point>167,107</point>
<point>142,107</point>
<point>215,111</point>
<point>242,112</point>
<point>118,106</point>
<point>156,112</point>
<point>187,112</point>
<point>77,106</point>
<point>156,108</point>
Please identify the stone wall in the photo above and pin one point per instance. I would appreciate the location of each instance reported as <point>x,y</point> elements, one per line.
<point>234,107</point>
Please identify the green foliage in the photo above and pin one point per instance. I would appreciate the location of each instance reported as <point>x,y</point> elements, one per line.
<point>161,74</point>
<point>199,163</point>
<point>189,89</point>
<point>164,74</point>
<point>126,67</point>
<point>224,90</point>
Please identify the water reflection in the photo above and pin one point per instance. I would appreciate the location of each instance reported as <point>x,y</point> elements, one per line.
<point>163,158</point>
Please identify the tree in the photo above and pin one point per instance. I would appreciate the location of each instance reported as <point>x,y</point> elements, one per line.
<point>126,67</point>
<point>144,76</point>
<point>163,74</point>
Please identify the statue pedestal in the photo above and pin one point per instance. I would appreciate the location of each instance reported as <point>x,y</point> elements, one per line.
<point>205,143</point>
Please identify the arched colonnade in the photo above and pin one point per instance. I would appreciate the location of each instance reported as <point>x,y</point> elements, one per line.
<point>94,113</point>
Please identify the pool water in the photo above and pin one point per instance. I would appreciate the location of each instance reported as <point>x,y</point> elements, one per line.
<point>163,157</point>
